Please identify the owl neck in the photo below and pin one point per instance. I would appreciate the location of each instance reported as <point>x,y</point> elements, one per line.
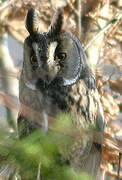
<point>43,86</point>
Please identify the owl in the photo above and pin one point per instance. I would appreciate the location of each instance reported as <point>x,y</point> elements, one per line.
<point>55,78</point>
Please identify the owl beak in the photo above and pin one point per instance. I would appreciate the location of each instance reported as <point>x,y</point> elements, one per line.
<point>48,79</point>
<point>48,75</point>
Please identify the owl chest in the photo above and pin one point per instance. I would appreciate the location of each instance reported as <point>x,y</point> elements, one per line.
<point>73,100</point>
<point>38,101</point>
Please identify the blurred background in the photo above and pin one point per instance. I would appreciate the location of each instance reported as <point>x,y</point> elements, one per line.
<point>98,25</point>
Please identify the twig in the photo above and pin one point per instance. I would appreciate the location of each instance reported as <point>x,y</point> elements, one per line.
<point>111,23</point>
<point>13,104</point>
<point>79,18</point>
<point>111,173</point>
<point>72,7</point>
<point>8,74</point>
<point>38,174</point>
<point>120,154</point>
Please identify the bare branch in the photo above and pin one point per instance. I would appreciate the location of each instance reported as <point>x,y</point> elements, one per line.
<point>111,173</point>
<point>8,74</point>
<point>72,7</point>
<point>6,4</point>
<point>109,25</point>
<point>79,18</point>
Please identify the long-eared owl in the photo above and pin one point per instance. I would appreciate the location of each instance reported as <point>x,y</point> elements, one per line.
<point>55,78</point>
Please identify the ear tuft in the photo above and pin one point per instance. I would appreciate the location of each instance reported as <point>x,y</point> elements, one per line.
<point>32,22</point>
<point>56,23</point>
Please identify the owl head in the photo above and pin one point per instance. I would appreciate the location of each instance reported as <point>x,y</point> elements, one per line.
<point>52,56</point>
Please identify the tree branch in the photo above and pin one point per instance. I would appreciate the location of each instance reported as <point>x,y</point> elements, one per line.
<point>79,18</point>
<point>6,4</point>
<point>110,24</point>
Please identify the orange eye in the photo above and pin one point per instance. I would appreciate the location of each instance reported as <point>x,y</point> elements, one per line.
<point>33,59</point>
<point>60,56</point>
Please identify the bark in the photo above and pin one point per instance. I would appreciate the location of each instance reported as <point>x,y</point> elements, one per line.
<point>9,83</point>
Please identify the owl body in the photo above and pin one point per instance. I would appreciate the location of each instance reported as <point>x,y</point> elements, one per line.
<point>73,99</point>
<point>56,78</point>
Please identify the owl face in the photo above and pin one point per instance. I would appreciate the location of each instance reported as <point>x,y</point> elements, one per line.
<point>50,56</point>
<point>44,60</point>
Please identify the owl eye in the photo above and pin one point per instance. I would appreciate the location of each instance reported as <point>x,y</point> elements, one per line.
<point>33,59</point>
<point>60,56</point>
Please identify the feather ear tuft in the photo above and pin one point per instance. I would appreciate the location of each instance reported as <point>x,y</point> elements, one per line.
<point>32,22</point>
<point>56,23</point>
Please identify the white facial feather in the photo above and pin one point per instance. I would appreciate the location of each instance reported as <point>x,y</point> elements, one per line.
<point>51,52</point>
<point>30,86</point>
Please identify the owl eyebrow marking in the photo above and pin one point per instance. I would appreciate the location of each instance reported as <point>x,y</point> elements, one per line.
<point>51,52</point>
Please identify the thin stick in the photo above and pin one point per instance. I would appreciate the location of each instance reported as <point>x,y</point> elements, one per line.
<point>79,18</point>
<point>102,31</point>
<point>39,174</point>
<point>72,7</point>
<point>119,163</point>
<point>6,4</point>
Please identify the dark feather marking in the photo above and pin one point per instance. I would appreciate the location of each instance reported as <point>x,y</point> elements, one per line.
<point>25,127</point>
<point>56,24</point>
<point>31,21</point>
<point>98,146</point>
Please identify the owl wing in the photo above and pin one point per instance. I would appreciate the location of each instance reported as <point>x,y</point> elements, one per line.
<point>24,126</point>
<point>89,119</point>
<point>30,120</point>
<point>91,164</point>
<point>96,114</point>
